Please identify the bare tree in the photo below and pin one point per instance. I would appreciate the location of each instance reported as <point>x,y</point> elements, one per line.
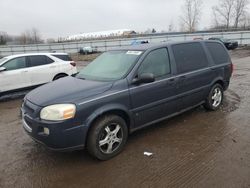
<point>35,36</point>
<point>216,23</point>
<point>191,14</point>
<point>23,38</point>
<point>224,12</point>
<point>51,40</point>
<point>29,37</point>
<point>171,27</point>
<point>3,38</point>
<point>246,20</point>
<point>229,13</point>
<point>240,7</point>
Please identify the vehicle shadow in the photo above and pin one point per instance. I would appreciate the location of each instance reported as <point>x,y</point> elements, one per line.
<point>13,96</point>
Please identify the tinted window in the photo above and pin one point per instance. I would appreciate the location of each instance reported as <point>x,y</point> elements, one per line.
<point>189,57</point>
<point>49,60</point>
<point>39,60</point>
<point>63,57</point>
<point>17,63</point>
<point>156,62</point>
<point>217,52</point>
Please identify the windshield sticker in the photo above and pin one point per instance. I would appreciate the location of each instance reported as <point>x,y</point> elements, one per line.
<point>134,53</point>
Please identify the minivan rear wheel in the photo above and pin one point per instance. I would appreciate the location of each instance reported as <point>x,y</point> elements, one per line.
<point>107,137</point>
<point>215,98</point>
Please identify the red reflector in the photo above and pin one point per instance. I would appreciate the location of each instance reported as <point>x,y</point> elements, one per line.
<point>73,63</point>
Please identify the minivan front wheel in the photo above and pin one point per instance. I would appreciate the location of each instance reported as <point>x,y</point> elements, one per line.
<point>215,98</point>
<point>107,137</point>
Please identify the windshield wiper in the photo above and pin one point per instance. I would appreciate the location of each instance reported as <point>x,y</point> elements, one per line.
<point>81,78</point>
<point>76,76</point>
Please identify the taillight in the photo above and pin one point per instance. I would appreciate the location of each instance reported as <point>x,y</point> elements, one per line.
<point>73,63</point>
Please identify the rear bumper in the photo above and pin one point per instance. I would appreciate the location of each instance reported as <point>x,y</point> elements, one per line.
<point>63,136</point>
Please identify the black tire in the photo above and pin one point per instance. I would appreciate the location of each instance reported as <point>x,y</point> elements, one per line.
<point>59,76</point>
<point>214,101</point>
<point>98,133</point>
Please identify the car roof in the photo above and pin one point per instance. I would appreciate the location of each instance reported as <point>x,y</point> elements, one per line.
<point>31,54</point>
<point>150,46</point>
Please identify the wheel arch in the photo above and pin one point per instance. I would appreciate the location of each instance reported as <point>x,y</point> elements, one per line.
<point>219,81</point>
<point>59,74</point>
<point>116,109</point>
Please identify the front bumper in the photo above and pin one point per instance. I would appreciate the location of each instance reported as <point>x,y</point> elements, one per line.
<point>61,136</point>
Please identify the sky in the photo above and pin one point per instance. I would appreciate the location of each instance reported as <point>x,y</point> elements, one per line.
<point>61,18</point>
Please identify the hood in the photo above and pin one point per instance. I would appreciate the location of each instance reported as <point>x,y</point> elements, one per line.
<point>66,90</point>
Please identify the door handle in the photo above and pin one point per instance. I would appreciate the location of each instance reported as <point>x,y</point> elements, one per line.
<point>24,71</point>
<point>183,77</point>
<point>171,81</point>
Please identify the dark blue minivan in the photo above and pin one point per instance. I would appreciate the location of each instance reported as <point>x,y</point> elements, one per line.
<point>124,90</point>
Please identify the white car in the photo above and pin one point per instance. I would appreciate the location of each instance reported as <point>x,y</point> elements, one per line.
<point>28,70</point>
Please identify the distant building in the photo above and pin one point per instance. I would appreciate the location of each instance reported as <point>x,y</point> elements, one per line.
<point>101,34</point>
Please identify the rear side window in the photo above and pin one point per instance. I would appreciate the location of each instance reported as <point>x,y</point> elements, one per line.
<point>39,60</point>
<point>189,57</point>
<point>217,52</point>
<point>156,62</point>
<point>63,57</point>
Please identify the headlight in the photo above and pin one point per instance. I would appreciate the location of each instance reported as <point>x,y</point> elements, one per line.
<point>58,112</point>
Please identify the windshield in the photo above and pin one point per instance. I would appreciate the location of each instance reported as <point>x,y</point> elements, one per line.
<point>112,65</point>
<point>2,60</point>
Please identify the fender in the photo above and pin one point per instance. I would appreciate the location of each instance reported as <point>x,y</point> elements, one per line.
<point>218,79</point>
<point>107,108</point>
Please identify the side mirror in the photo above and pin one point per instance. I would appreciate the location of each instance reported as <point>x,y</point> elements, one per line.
<point>2,69</point>
<point>144,78</point>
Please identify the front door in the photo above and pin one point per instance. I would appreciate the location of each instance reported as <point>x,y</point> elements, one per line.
<point>153,101</point>
<point>15,76</point>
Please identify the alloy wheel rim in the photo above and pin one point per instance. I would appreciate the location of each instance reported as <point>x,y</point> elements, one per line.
<point>216,97</point>
<point>110,138</point>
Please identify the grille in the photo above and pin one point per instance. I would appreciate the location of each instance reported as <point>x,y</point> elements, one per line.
<point>29,108</point>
